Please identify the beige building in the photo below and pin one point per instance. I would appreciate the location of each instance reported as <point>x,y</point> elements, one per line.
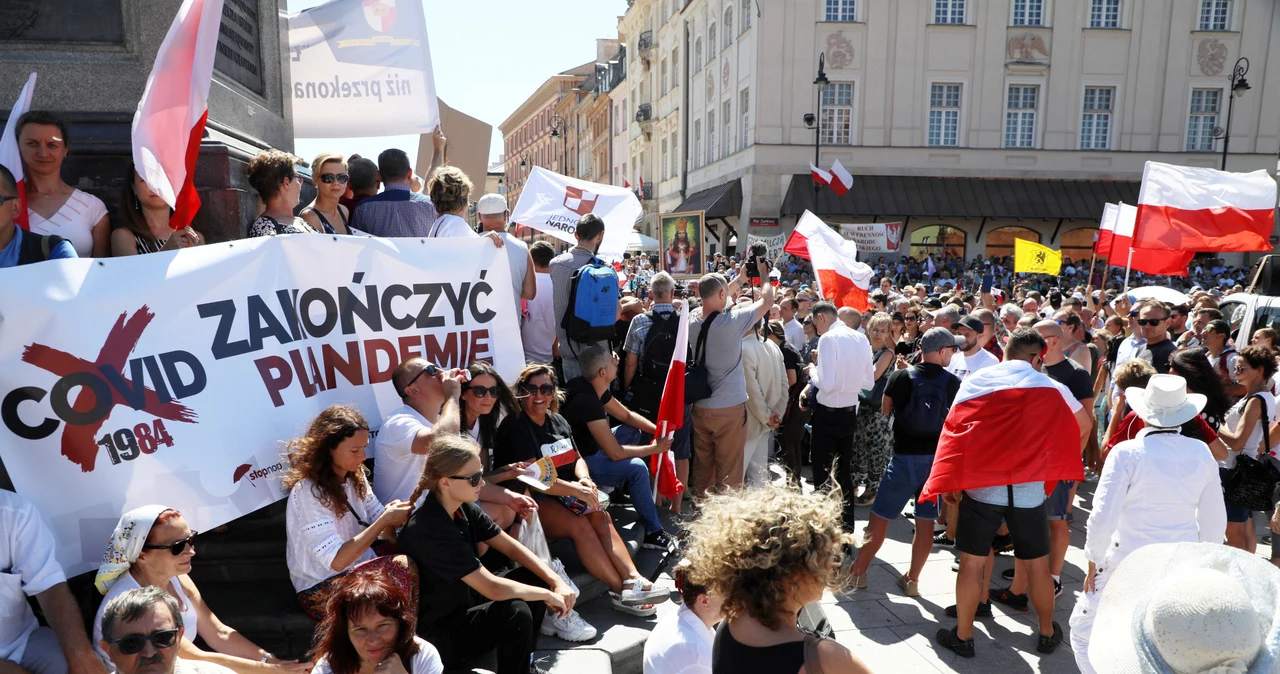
<point>971,121</point>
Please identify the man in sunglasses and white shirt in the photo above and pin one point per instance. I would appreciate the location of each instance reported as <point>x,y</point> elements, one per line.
<point>430,394</point>
<point>141,630</point>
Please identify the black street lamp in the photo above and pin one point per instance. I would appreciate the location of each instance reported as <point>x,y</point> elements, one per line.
<point>815,121</point>
<point>558,127</point>
<point>1239,85</point>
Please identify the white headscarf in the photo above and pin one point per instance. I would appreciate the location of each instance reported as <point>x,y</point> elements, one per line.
<point>126,544</point>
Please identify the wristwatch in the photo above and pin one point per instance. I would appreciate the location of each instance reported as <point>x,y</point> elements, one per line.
<point>266,656</point>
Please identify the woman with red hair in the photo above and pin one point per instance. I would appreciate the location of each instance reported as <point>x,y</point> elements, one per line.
<point>368,628</point>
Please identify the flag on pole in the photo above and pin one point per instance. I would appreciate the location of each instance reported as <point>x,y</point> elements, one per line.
<point>974,450</point>
<point>1032,258</point>
<point>1200,209</point>
<point>842,182</point>
<point>928,266</point>
<point>1145,260</point>
<point>10,157</point>
<point>170,120</point>
<point>1106,230</point>
<point>671,413</point>
<point>626,183</point>
<point>841,278</point>
<point>819,176</point>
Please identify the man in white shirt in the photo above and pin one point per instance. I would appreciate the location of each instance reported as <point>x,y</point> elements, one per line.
<point>158,629</point>
<point>682,642</point>
<point>1135,342</point>
<point>28,564</point>
<point>493,214</point>
<point>538,325</point>
<point>430,394</point>
<point>793,329</point>
<point>974,355</point>
<point>843,367</point>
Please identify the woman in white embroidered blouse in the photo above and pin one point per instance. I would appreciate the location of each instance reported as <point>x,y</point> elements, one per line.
<point>333,519</point>
<point>53,206</point>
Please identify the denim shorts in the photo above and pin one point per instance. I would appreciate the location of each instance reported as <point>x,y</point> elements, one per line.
<point>1058,502</point>
<point>902,481</point>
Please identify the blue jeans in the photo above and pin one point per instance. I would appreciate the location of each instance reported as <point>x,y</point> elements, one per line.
<point>634,473</point>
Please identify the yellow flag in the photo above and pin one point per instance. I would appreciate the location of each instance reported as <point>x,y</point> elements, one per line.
<point>1032,258</point>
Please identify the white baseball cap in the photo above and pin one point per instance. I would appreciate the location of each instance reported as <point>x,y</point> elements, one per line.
<point>492,204</point>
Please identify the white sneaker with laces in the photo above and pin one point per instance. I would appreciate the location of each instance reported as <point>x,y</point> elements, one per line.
<point>569,628</point>
<point>558,566</point>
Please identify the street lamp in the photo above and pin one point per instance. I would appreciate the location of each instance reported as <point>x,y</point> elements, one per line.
<point>814,122</point>
<point>1239,85</point>
<point>557,126</point>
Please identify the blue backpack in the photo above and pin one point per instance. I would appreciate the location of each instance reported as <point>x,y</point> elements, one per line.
<point>593,303</point>
<point>926,413</point>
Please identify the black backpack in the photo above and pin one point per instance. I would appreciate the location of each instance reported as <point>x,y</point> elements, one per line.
<point>37,247</point>
<point>660,345</point>
<point>926,413</point>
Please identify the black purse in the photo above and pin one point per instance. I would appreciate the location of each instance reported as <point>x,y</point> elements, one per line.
<point>697,381</point>
<point>1252,483</point>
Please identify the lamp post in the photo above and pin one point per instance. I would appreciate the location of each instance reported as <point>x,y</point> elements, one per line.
<point>1239,85</point>
<point>815,121</point>
<point>558,128</point>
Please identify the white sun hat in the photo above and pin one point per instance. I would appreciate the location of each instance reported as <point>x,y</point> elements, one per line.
<point>1188,608</point>
<point>1165,403</point>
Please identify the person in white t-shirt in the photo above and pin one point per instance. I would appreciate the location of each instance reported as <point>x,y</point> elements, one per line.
<point>493,214</point>
<point>973,357</point>
<point>538,327</point>
<point>682,641</point>
<point>29,568</point>
<point>368,628</point>
<point>430,394</point>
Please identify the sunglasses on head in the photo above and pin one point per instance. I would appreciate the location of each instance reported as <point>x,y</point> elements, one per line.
<point>484,391</point>
<point>177,547</point>
<point>473,479</point>
<point>1151,322</point>
<point>134,643</point>
<point>330,178</point>
<point>530,389</point>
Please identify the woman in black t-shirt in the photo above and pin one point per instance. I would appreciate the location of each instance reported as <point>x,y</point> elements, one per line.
<point>570,507</point>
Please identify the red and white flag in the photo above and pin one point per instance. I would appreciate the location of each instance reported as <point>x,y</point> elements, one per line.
<point>841,182</point>
<point>819,176</point>
<point>1106,230</point>
<point>974,450</point>
<point>671,413</point>
<point>626,183</point>
<point>10,157</point>
<point>170,120</point>
<point>841,278</point>
<point>1201,209</point>
<point>1145,260</point>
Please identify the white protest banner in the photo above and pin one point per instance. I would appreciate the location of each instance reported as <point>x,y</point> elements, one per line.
<point>773,243</point>
<point>361,68</point>
<point>172,378</point>
<point>553,204</point>
<point>879,237</point>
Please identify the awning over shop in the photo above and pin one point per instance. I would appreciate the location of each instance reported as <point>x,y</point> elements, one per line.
<point>721,201</point>
<point>960,197</point>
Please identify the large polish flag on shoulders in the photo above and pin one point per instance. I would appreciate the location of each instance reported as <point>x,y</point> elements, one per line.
<point>841,278</point>
<point>1145,260</point>
<point>171,115</point>
<point>1202,209</point>
<point>671,412</point>
<point>977,449</point>
<point>10,156</point>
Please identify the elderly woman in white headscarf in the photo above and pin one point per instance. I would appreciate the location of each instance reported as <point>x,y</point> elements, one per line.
<point>1160,487</point>
<point>153,546</point>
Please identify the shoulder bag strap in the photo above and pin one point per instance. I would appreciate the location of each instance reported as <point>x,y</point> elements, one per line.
<point>1265,420</point>
<point>700,347</point>
<point>812,662</point>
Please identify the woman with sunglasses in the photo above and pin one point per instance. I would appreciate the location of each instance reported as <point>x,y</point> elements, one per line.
<point>274,176</point>
<point>1243,431</point>
<point>333,519</point>
<point>152,546</point>
<point>570,507</point>
<point>325,214</point>
<point>908,345</point>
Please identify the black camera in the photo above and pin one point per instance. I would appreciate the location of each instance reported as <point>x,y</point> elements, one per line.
<point>757,252</point>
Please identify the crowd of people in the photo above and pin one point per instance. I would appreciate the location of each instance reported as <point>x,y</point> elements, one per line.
<point>440,553</point>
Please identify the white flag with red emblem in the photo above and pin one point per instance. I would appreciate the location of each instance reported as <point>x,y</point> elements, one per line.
<point>553,204</point>
<point>10,157</point>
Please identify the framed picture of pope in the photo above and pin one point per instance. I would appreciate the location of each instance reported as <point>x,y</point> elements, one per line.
<point>681,238</point>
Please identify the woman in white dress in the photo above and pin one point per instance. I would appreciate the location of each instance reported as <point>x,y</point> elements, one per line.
<point>153,546</point>
<point>53,206</point>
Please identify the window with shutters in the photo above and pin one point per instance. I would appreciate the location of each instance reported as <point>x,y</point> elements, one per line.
<point>944,115</point>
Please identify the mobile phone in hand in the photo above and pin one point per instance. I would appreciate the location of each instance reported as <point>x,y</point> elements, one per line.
<point>988,280</point>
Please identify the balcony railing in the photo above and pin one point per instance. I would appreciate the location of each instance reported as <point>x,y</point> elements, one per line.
<point>644,114</point>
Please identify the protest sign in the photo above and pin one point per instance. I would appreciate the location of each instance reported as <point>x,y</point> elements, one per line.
<point>361,68</point>
<point>879,237</point>
<point>773,243</point>
<point>553,204</point>
<point>172,378</point>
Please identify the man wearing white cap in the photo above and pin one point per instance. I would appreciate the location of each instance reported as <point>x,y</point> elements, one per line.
<point>493,214</point>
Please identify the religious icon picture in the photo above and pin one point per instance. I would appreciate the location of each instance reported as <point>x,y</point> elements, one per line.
<point>681,237</point>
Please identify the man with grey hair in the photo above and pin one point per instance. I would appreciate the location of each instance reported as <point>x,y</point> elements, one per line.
<point>947,317</point>
<point>141,630</point>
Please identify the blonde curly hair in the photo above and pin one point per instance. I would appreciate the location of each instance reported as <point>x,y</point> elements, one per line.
<point>752,548</point>
<point>449,189</point>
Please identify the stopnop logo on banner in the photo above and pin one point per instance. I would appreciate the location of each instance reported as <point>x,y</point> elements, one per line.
<point>174,378</point>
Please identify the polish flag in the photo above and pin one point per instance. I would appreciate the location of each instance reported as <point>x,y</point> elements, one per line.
<point>1106,230</point>
<point>974,450</point>
<point>843,182</point>
<point>671,413</point>
<point>10,158</point>
<point>1145,260</point>
<point>841,278</point>
<point>171,116</point>
<point>1201,209</point>
<point>626,183</point>
<point>819,176</point>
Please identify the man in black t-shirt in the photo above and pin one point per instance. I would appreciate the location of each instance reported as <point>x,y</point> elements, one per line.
<point>1153,321</point>
<point>932,387</point>
<point>588,404</point>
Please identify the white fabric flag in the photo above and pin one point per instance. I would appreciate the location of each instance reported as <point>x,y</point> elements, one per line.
<point>362,68</point>
<point>553,204</point>
<point>10,157</point>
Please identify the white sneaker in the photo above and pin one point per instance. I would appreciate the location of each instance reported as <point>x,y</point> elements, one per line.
<point>569,628</point>
<point>558,566</point>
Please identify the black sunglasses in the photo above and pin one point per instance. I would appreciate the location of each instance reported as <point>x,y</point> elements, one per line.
<point>484,391</point>
<point>473,479</point>
<point>530,389</point>
<point>431,369</point>
<point>912,317</point>
<point>177,547</point>
<point>133,643</point>
<point>330,178</point>
<point>1151,322</point>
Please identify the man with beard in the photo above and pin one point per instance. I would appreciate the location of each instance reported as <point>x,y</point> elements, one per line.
<point>973,356</point>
